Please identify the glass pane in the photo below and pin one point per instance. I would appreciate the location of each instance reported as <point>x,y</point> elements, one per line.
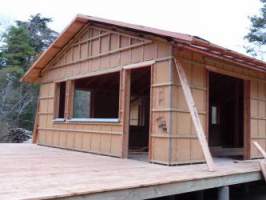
<point>214,115</point>
<point>82,101</point>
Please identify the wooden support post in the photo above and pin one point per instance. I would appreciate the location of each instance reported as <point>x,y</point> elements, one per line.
<point>200,195</point>
<point>195,116</point>
<point>223,193</point>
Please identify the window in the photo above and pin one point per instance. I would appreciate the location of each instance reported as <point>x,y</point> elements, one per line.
<point>61,93</point>
<point>82,103</point>
<point>214,115</point>
<point>96,97</point>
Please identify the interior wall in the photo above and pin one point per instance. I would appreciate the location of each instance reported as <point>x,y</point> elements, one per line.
<point>139,110</point>
<point>226,128</point>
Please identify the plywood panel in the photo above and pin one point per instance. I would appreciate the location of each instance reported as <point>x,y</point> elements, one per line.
<point>160,150</point>
<point>258,115</point>
<point>116,145</point>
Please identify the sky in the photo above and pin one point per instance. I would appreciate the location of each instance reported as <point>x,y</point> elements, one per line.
<point>224,22</point>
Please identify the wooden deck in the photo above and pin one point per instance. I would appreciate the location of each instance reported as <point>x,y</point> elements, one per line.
<point>35,172</point>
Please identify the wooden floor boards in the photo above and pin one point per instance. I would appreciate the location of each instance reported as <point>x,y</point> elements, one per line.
<point>36,172</point>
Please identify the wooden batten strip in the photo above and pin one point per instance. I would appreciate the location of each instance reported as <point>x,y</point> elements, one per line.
<point>175,110</point>
<point>101,55</point>
<point>168,84</point>
<point>46,98</point>
<point>90,39</point>
<point>103,71</point>
<point>183,136</point>
<point>194,114</point>
<point>64,49</point>
<point>139,65</point>
<point>80,131</point>
<point>170,146</point>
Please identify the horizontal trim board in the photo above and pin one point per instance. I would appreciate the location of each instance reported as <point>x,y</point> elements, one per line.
<point>139,65</point>
<point>189,137</point>
<point>168,84</point>
<point>81,131</point>
<point>44,98</point>
<point>175,110</point>
<point>81,150</point>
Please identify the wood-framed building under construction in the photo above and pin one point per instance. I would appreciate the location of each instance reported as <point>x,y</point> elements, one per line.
<point>114,88</point>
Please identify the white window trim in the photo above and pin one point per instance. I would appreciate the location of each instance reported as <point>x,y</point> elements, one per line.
<point>109,120</point>
<point>58,120</point>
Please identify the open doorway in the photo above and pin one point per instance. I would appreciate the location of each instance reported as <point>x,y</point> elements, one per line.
<point>139,114</point>
<point>226,116</point>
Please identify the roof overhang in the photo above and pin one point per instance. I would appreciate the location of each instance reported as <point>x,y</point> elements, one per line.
<point>187,41</point>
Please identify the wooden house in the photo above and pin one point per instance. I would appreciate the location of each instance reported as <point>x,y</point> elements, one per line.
<point>115,89</point>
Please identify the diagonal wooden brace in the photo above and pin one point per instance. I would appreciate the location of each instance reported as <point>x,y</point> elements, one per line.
<point>262,162</point>
<point>195,116</point>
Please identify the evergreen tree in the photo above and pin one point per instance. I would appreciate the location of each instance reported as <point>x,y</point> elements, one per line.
<point>257,33</point>
<point>20,46</point>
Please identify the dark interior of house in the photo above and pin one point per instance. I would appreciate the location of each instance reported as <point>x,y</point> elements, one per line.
<point>226,115</point>
<point>139,110</point>
<point>97,97</point>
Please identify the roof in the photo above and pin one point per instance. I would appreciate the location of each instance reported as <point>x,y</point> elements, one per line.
<point>193,43</point>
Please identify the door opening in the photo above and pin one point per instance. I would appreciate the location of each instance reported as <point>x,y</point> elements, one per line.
<point>139,114</point>
<point>226,116</point>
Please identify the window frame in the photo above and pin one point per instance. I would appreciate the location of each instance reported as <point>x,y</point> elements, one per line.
<point>69,104</point>
<point>57,92</point>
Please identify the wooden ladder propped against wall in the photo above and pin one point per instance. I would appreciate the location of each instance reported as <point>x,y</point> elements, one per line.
<point>195,116</point>
<point>262,162</point>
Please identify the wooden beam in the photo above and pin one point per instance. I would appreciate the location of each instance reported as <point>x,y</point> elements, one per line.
<point>260,149</point>
<point>262,162</point>
<point>195,116</point>
<point>162,190</point>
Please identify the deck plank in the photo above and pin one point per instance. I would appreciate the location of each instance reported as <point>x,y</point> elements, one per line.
<point>30,171</point>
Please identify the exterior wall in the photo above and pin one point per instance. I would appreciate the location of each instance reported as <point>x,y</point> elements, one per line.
<point>184,142</point>
<point>160,113</point>
<point>98,50</point>
<point>185,147</point>
<point>258,115</point>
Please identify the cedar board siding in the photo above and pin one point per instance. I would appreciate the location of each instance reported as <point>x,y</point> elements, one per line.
<point>99,50</point>
<point>185,147</point>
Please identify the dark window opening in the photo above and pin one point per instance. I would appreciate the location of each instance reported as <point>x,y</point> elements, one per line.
<point>139,113</point>
<point>97,97</point>
<point>226,115</point>
<point>61,102</point>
